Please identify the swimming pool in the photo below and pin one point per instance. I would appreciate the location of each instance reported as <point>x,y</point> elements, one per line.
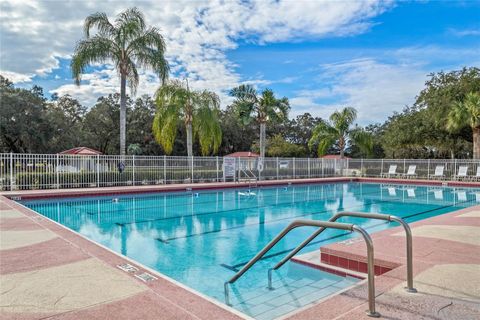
<point>202,238</point>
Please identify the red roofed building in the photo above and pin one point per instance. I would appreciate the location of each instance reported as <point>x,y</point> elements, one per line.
<point>243,154</point>
<point>81,151</point>
<point>334,156</point>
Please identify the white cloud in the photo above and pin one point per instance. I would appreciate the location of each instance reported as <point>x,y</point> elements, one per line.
<point>34,34</point>
<point>16,77</point>
<point>375,89</point>
<point>464,32</point>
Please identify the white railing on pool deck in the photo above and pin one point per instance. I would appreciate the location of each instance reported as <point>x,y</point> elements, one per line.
<point>52,171</point>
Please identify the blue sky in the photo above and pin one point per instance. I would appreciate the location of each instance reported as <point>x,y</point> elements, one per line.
<point>373,56</point>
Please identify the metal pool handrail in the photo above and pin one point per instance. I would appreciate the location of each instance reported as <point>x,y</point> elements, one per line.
<point>377,216</point>
<point>325,225</point>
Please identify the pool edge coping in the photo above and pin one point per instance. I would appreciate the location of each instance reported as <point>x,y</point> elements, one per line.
<point>18,195</point>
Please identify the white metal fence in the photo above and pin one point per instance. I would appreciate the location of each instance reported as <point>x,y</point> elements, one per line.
<point>51,171</point>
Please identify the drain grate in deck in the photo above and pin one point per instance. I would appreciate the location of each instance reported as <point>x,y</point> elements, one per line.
<point>127,268</point>
<point>145,277</point>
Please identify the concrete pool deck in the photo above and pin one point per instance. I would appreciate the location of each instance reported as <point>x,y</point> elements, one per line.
<point>48,271</point>
<point>446,264</point>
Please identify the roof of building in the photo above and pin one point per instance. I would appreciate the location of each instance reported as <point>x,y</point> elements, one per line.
<point>83,151</point>
<point>334,156</point>
<point>243,154</point>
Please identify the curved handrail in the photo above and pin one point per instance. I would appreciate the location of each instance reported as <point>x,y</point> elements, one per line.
<point>377,216</point>
<point>325,225</point>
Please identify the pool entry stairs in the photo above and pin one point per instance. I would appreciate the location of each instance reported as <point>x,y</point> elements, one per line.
<point>300,287</point>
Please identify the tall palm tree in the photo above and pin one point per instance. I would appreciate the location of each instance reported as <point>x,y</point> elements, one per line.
<point>467,112</point>
<point>338,132</point>
<point>199,111</point>
<point>128,43</point>
<point>264,107</point>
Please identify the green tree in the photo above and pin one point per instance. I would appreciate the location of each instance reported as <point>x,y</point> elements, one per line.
<point>199,111</point>
<point>101,125</point>
<point>338,132</point>
<point>434,103</point>
<point>24,126</point>
<point>264,107</point>
<point>139,126</point>
<point>128,43</point>
<point>467,113</point>
<point>300,129</point>
<point>235,135</point>
<point>134,149</point>
<point>279,147</point>
<point>65,115</point>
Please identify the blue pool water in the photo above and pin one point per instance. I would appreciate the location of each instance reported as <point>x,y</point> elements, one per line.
<point>202,238</point>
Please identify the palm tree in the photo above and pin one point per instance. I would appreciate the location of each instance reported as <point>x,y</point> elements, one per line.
<point>199,111</point>
<point>338,132</point>
<point>264,107</point>
<point>466,113</point>
<point>129,44</point>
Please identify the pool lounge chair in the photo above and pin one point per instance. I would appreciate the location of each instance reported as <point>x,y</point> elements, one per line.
<point>438,173</point>
<point>411,171</point>
<point>392,171</point>
<point>461,173</point>
<point>476,177</point>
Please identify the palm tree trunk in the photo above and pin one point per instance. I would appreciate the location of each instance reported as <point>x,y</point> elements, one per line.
<point>262,139</point>
<point>341,145</point>
<point>476,143</point>
<point>189,139</point>
<point>123,113</point>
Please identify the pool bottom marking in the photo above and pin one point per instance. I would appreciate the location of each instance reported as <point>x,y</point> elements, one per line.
<point>272,221</point>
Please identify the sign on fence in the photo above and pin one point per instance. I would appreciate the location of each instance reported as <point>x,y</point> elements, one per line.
<point>260,164</point>
<point>228,167</point>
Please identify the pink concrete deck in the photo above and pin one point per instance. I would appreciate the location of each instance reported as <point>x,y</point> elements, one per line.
<point>446,256</point>
<point>84,281</point>
<point>37,249</point>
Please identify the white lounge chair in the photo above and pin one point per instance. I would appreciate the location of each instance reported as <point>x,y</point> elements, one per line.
<point>438,172</point>
<point>392,171</point>
<point>411,171</point>
<point>476,177</point>
<point>462,172</point>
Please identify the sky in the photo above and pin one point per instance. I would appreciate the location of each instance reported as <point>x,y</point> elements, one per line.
<point>372,55</point>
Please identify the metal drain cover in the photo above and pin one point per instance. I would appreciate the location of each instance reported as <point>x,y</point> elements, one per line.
<point>127,268</point>
<point>145,277</point>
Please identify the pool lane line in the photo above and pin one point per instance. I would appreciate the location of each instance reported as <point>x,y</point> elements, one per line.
<point>106,201</point>
<point>181,204</point>
<point>267,222</point>
<point>236,266</point>
<point>245,208</point>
